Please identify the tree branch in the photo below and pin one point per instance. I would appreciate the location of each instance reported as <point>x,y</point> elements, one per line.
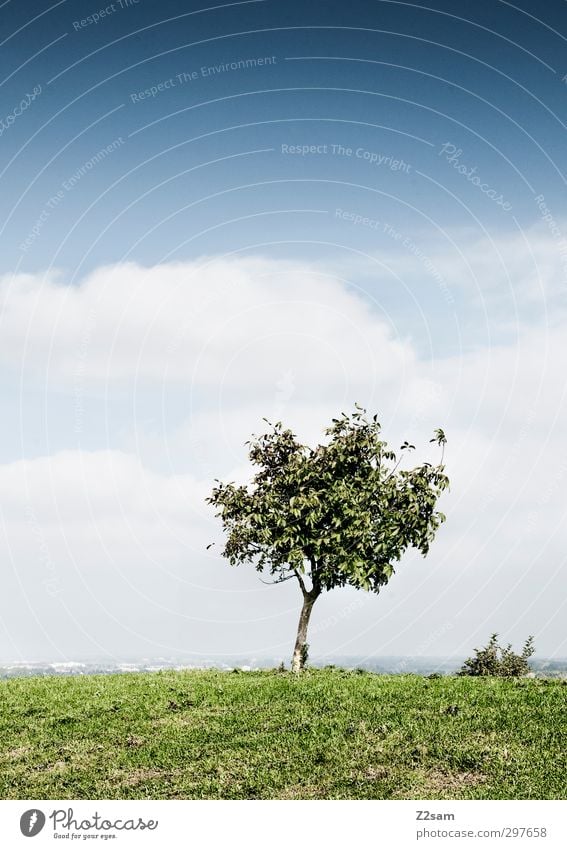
<point>301,581</point>
<point>279,581</point>
<point>315,582</point>
<point>387,478</point>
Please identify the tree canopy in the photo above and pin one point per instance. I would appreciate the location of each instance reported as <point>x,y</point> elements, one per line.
<point>341,513</point>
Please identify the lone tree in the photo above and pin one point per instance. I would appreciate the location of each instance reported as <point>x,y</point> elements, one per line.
<point>341,513</point>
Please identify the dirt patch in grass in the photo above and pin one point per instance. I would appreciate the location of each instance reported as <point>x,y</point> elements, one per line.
<point>439,780</point>
<point>439,784</point>
<point>375,773</point>
<point>58,766</point>
<point>302,791</point>
<point>17,753</point>
<point>138,776</point>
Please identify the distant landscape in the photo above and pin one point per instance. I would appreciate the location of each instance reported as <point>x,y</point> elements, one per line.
<point>387,665</point>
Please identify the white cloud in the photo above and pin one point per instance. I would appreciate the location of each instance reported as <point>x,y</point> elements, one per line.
<point>210,348</point>
<point>234,323</point>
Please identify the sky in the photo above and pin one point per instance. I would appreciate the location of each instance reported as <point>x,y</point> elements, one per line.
<point>212,215</point>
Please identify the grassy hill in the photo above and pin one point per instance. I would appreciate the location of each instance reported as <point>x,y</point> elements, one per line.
<point>327,734</point>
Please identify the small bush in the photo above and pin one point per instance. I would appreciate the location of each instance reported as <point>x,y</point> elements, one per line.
<point>499,661</point>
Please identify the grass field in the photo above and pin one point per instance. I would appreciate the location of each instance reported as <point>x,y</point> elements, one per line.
<point>327,734</point>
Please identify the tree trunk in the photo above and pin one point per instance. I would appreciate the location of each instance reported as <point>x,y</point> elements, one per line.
<point>297,661</point>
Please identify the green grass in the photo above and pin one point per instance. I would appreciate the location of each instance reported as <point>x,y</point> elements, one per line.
<point>327,734</point>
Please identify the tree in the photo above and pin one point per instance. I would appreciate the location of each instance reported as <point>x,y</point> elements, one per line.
<point>341,513</point>
<point>498,660</point>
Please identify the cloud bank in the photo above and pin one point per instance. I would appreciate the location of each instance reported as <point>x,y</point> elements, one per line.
<point>106,544</point>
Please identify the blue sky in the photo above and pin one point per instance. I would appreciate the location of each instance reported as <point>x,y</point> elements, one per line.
<point>491,87</point>
<point>212,215</point>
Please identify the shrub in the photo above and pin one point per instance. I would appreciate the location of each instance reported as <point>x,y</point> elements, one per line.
<point>499,661</point>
